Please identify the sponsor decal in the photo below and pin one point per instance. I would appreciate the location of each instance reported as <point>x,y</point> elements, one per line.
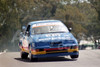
<point>49,35</point>
<point>46,24</point>
<point>54,38</point>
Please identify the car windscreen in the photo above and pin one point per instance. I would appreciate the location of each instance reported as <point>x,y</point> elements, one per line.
<point>49,29</point>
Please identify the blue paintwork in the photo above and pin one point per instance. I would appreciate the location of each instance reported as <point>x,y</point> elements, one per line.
<point>45,40</point>
<point>68,40</point>
<point>46,43</point>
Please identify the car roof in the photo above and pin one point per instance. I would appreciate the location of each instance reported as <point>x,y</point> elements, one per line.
<point>43,21</point>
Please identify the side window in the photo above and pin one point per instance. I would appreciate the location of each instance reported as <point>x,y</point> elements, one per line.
<point>27,30</point>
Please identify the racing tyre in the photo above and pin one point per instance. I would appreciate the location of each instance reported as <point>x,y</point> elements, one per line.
<point>32,59</point>
<point>24,55</point>
<point>74,57</point>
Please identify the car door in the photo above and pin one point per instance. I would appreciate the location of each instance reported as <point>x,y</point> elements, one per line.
<point>26,38</point>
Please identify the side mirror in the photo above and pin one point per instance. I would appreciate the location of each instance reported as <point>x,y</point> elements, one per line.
<point>70,29</point>
<point>27,33</point>
<point>23,28</point>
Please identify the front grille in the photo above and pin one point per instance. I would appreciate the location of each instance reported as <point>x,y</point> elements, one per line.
<point>41,49</point>
<point>55,42</point>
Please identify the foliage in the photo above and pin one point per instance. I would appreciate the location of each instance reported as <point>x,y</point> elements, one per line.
<point>96,5</point>
<point>82,17</point>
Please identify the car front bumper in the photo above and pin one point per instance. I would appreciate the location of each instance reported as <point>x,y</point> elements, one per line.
<point>55,53</point>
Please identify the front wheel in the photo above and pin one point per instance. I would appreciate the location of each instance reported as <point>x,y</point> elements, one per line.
<point>74,56</point>
<point>24,55</point>
<point>31,57</point>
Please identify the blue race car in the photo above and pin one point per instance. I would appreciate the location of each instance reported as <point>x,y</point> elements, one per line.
<point>47,38</point>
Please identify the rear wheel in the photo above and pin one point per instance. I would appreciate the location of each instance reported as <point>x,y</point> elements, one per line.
<point>31,57</point>
<point>74,57</point>
<point>24,55</point>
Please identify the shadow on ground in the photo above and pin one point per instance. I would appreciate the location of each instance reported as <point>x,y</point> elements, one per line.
<point>50,59</point>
